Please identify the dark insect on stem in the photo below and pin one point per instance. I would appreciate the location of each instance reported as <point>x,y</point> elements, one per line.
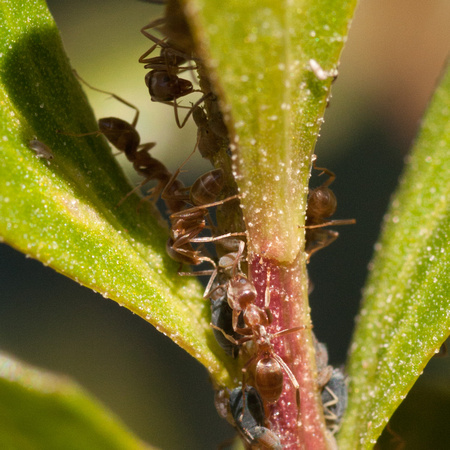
<point>188,223</point>
<point>322,204</point>
<point>163,82</point>
<point>334,399</point>
<point>247,410</point>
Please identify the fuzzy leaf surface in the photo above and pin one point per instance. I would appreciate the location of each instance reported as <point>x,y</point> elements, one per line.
<point>406,308</point>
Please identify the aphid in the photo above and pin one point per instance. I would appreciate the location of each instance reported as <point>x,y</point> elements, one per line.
<point>208,142</point>
<point>324,371</point>
<point>321,205</point>
<point>334,400</point>
<point>42,150</point>
<point>247,409</point>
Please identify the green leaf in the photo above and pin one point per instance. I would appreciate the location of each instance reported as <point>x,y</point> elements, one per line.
<point>259,54</point>
<point>406,310</point>
<point>64,211</point>
<point>43,410</point>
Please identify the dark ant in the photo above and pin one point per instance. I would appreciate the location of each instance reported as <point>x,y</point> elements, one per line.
<point>163,82</point>
<point>247,409</point>
<point>334,400</point>
<point>124,136</point>
<point>187,224</point>
<point>322,204</point>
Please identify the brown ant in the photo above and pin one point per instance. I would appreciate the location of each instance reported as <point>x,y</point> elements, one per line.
<point>188,223</point>
<point>322,204</point>
<point>124,136</point>
<point>163,82</point>
<point>269,366</point>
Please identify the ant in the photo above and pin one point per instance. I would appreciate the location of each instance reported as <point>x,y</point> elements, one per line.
<point>322,204</point>
<point>163,82</point>
<point>269,366</point>
<point>124,136</point>
<point>247,410</point>
<point>187,224</point>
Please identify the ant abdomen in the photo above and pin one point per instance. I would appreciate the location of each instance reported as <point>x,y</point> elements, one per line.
<point>269,379</point>
<point>322,203</point>
<point>207,187</point>
<point>120,133</point>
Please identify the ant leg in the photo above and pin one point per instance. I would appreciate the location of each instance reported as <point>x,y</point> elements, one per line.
<point>196,274</point>
<point>91,133</point>
<point>144,60</point>
<point>267,292</point>
<point>330,174</point>
<point>322,240</point>
<point>154,24</point>
<point>331,222</point>
<point>201,207</point>
<point>208,290</point>
<point>293,381</point>
<point>120,99</point>
<point>164,194</point>
<point>217,238</point>
<point>197,103</point>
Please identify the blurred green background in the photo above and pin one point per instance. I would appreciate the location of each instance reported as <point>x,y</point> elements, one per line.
<point>391,63</point>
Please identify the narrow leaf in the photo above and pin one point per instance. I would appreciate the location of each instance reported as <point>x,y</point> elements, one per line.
<point>406,310</point>
<point>260,53</point>
<point>63,211</point>
<point>43,410</point>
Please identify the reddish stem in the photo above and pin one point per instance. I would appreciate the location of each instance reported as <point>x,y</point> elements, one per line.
<point>304,429</point>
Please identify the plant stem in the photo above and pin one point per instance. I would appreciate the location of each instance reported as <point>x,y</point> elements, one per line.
<point>304,428</point>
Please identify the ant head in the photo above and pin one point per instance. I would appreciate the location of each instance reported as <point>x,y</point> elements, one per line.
<point>241,292</point>
<point>164,87</point>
